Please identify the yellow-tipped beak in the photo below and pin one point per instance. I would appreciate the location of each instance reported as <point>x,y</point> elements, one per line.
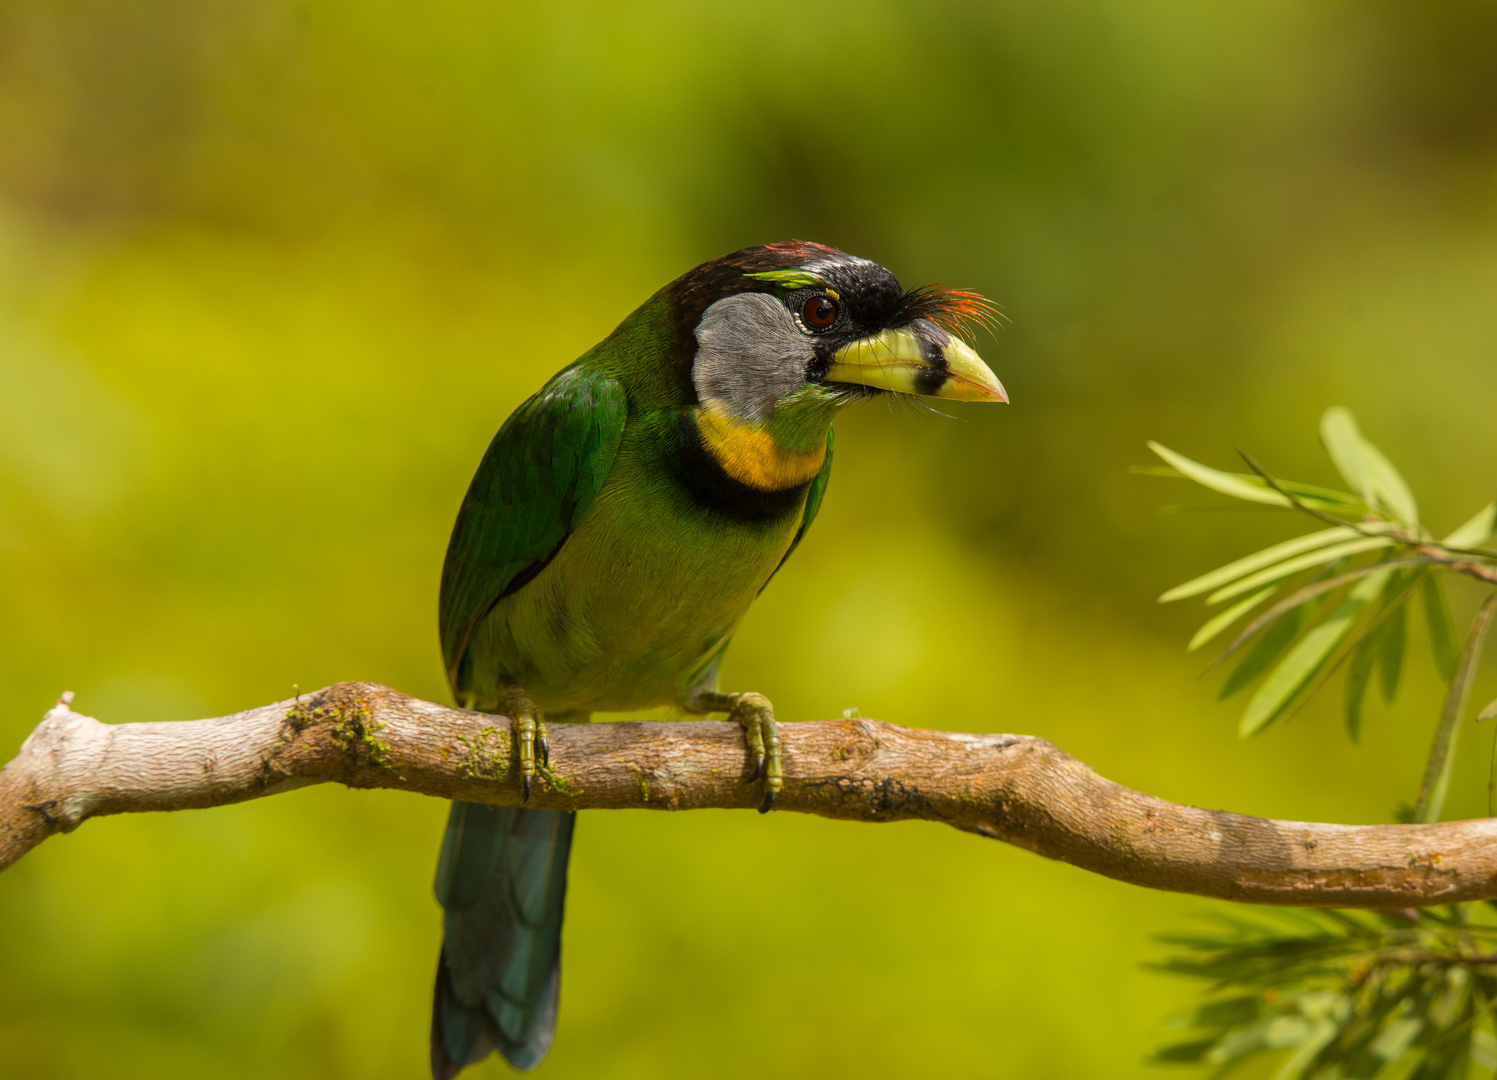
<point>906,363</point>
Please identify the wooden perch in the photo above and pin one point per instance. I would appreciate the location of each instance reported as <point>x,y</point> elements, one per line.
<point>1014,788</point>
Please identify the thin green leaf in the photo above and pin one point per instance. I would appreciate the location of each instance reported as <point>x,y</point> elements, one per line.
<point>1286,680</point>
<point>1308,592</point>
<point>1297,1067</point>
<point>1224,1011</point>
<point>1216,480</point>
<point>1442,755</point>
<point>1390,657</point>
<point>1218,508</point>
<point>1475,532</point>
<point>1370,474</point>
<point>1319,497</point>
<point>1293,566</point>
<point>1183,1053</point>
<point>1394,1040</point>
<point>1343,441</point>
<point>1483,1051</point>
<point>1381,1037</point>
<point>1393,599</point>
<point>1441,632</point>
<point>1488,713</point>
<point>1253,488</point>
<point>1223,619</point>
<point>1357,677</point>
<point>1270,646</point>
<point>1258,561</point>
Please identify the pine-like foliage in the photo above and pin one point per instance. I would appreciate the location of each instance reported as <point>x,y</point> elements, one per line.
<point>1339,995</point>
<point>1332,995</point>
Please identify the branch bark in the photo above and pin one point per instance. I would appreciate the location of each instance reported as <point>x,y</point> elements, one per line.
<point>1014,788</point>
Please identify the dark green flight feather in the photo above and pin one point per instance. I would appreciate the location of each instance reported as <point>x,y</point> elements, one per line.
<point>535,483</point>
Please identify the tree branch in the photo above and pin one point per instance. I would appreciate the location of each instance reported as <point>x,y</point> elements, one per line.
<point>1014,788</point>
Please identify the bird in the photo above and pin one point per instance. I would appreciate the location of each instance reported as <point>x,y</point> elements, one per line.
<point>614,535</point>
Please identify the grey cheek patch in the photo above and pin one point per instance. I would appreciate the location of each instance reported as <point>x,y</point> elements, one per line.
<point>750,354</point>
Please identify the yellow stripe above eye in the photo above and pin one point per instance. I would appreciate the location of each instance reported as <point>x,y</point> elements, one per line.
<point>753,456</point>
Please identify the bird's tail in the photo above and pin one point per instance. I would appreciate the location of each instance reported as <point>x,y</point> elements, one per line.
<point>502,879</point>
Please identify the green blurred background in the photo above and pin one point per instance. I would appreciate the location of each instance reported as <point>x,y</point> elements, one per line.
<point>271,274</point>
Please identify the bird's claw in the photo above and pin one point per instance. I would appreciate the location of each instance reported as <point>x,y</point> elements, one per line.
<point>755,715</point>
<point>530,736</point>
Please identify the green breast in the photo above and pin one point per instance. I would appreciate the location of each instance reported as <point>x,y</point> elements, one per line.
<point>642,597</point>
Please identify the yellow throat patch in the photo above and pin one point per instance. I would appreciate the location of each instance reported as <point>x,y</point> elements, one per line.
<point>753,456</point>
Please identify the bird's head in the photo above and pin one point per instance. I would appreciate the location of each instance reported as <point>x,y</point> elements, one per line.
<point>780,337</point>
<point>770,323</point>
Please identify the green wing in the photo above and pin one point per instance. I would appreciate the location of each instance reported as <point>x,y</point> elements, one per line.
<point>535,483</point>
<point>813,502</point>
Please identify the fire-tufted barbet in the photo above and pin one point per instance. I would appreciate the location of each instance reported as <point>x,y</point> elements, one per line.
<point>618,528</point>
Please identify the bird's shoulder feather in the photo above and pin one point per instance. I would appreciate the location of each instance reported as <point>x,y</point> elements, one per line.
<point>532,489</point>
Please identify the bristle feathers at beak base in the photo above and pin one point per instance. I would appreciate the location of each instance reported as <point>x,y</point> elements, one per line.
<point>957,311</point>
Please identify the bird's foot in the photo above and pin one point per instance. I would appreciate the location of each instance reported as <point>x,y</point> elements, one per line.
<point>530,733</point>
<point>755,715</point>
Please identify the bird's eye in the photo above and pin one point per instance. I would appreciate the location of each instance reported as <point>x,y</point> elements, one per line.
<point>819,312</point>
